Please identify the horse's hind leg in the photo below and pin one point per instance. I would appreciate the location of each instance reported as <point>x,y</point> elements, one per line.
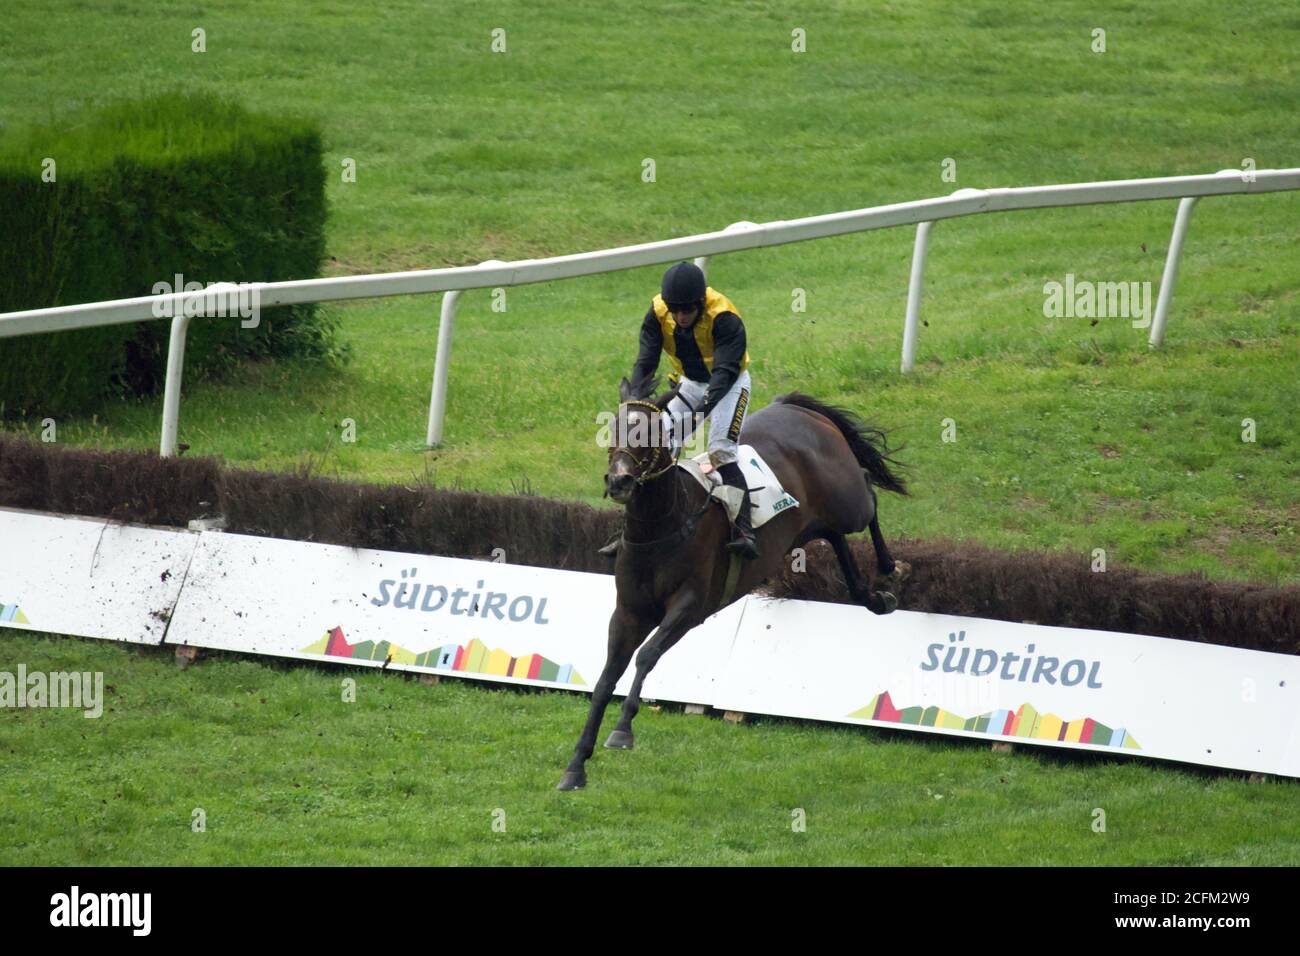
<point>877,602</point>
<point>884,560</point>
<point>893,571</point>
<point>626,632</point>
<point>896,571</point>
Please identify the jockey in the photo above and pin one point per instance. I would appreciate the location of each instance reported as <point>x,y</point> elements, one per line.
<point>702,333</point>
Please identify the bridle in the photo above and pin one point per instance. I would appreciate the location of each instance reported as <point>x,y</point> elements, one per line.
<point>644,465</point>
<point>647,473</point>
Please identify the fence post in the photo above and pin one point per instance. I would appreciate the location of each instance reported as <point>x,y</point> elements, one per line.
<point>1170,276</point>
<point>920,251</point>
<point>441,368</point>
<point>442,363</point>
<point>172,389</point>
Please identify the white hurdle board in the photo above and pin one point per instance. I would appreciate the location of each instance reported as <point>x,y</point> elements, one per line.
<point>90,577</point>
<point>1101,691</point>
<point>1018,683</point>
<point>476,619</point>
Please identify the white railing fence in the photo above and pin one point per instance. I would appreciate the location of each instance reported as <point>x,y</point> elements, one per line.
<point>922,213</point>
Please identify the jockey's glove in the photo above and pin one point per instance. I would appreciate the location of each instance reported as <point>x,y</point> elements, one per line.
<point>682,417</point>
<point>671,440</point>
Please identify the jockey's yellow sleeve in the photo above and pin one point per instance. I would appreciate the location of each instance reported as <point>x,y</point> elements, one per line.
<point>712,350</point>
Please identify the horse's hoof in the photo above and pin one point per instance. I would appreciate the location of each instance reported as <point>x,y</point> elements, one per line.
<point>888,600</point>
<point>619,740</point>
<point>572,780</point>
<point>902,571</point>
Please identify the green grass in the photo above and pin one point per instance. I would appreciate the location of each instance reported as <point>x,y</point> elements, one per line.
<point>287,773</point>
<point>1070,436</point>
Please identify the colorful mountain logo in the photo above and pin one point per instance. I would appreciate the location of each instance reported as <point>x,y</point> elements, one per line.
<point>1023,722</point>
<point>12,614</point>
<point>471,658</point>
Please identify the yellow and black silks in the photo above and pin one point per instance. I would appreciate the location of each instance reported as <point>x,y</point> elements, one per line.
<point>715,303</point>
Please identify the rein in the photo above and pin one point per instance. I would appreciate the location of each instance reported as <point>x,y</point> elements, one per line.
<point>684,530</point>
<point>687,527</point>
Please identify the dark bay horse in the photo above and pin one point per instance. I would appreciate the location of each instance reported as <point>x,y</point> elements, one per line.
<point>672,564</point>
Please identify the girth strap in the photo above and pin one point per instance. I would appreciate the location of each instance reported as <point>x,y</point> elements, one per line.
<point>733,575</point>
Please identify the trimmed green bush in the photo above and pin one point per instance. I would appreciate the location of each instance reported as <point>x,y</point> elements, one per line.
<point>142,191</point>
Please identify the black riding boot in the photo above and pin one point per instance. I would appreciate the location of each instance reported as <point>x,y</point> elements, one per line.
<point>743,542</point>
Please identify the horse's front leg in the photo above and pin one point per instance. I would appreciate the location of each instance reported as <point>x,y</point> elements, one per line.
<point>626,632</point>
<point>682,614</point>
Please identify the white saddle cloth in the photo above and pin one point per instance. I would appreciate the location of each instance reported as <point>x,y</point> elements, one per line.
<point>766,495</point>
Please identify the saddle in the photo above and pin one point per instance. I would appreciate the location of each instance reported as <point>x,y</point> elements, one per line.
<point>766,496</point>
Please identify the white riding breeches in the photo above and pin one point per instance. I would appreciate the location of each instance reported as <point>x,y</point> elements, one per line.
<point>725,421</point>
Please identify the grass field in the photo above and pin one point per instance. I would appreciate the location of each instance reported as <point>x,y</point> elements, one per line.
<point>1070,436</point>
<point>286,773</point>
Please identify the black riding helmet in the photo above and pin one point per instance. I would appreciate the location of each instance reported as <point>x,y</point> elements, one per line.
<point>683,286</point>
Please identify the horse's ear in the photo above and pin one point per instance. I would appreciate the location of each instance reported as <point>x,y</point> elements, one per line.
<point>624,390</point>
<point>642,387</point>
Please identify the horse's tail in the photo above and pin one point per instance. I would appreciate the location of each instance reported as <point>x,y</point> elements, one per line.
<point>870,446</point>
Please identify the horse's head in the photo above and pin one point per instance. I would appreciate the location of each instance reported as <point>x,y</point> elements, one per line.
<point>639,450</point>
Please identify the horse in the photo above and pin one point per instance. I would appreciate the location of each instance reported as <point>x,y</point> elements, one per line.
<point>673,570</point>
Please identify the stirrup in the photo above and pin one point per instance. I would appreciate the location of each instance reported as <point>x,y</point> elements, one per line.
<point>744,545</point>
